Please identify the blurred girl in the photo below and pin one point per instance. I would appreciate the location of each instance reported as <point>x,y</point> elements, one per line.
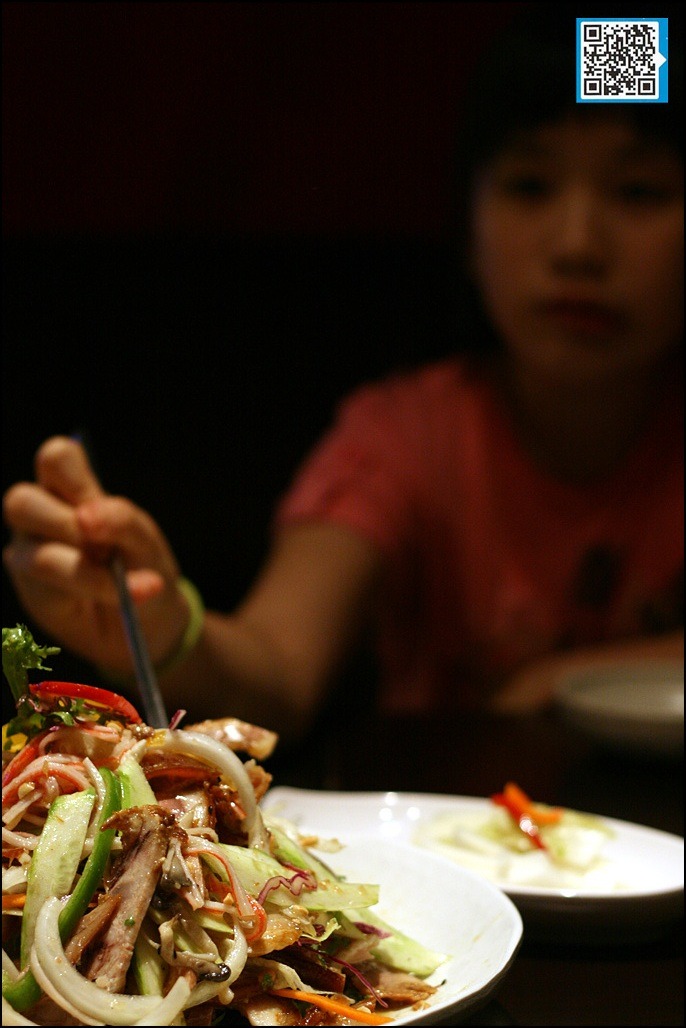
<point>486,520</point>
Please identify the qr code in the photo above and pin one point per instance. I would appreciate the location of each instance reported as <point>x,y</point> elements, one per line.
<point>621,60</point>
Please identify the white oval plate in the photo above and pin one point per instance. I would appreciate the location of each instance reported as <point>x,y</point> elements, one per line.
<point>441,905</point>
<point>637,706</point>
<point>649,862</point>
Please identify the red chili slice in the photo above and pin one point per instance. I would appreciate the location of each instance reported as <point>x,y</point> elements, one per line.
<point>92,694</point>
<point>519,806</point>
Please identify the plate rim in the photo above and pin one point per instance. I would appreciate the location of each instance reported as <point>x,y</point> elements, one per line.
<point>459,1006</point>
<point>573,691</point>
<point>560,897</point>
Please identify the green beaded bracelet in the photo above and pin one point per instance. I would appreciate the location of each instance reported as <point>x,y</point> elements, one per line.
<point>193,628</point>
<point>189,638</point>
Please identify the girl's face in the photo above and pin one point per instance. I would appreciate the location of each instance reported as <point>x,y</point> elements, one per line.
<point>577,249</point>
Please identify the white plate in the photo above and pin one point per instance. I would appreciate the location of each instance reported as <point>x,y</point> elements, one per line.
<point>651,862</point>
<point>443,906</point>
<point>637,706</point>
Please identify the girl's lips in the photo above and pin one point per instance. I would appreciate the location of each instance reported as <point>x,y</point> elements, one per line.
<point>583,318</point>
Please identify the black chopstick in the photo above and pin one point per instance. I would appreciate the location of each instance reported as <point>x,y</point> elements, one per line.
<point>153,704</point>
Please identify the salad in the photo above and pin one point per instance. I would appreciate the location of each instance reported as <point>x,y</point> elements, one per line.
<point>517,842</point>
<point>142,884</point>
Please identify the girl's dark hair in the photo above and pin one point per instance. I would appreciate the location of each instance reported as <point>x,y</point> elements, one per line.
<point>527,77</point>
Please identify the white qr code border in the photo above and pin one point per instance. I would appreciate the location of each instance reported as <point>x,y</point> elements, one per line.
<point>622,60</point>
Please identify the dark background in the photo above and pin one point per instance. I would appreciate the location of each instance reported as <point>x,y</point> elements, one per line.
<point>218,218</point>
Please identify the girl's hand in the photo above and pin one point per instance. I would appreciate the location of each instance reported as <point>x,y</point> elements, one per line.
<point>65,529</point>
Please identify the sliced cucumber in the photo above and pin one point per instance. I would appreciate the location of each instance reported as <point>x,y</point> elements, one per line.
<point>399,950</point>
<point>55,859</point>
<point>148,967</point>
<point>255,867</point>
<point>135,788</point>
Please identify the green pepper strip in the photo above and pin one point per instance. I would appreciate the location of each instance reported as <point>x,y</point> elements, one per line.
<point>23,992</point>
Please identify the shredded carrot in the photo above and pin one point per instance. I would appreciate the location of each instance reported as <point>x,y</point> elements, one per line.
<point>13,900</point>
<point>334,1006</point>
<point>216,886</point>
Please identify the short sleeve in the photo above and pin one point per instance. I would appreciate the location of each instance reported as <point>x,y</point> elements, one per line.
<point>363,474</point>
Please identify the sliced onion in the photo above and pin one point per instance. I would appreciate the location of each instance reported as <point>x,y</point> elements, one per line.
<point>232,951</point>
<point>13,815</point>
<point>55,995</point>
<point>99,784</point>
<point>96,779</point>
<point>166,1011</point>
<point>12,1016</point>
<point>19,840</point>
<point>236,953</point>
<point>199,960</point>
<point>229,766</point>
<point>8,967</point>
<point>84,999</point>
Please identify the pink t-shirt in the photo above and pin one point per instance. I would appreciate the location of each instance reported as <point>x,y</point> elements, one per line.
<point>490,561</point>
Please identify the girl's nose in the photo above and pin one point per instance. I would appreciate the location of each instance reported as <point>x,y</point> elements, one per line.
<point>577,234</point>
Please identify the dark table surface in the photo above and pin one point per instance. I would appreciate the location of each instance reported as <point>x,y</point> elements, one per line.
<point>558,982</point>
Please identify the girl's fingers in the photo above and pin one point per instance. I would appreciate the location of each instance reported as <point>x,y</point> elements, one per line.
<point>66,528</point>
<point>60,567</point>
<point>63,469</point>
<point>30,510</point>
<point>116,522</point>
<point>51,538</point>
<point>64,569</point>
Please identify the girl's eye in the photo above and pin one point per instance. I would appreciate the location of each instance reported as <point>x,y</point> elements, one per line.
<point>526,186</point>
<point>643,191</point>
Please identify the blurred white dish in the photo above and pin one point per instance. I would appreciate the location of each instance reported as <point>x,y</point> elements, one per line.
<point>648,863</point>
<point>638,707</point>
<point>448,909</point>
